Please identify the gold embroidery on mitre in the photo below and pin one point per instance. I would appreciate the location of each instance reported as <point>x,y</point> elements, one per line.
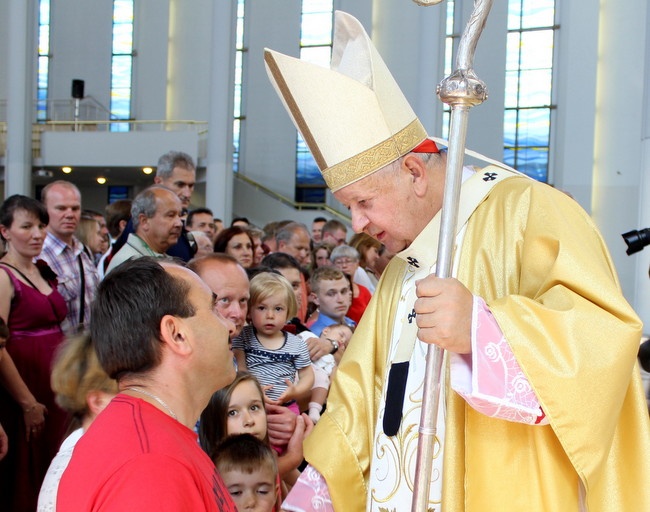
<point>371,160</point>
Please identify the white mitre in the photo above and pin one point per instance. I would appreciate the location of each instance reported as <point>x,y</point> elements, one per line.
<point>353,116</point>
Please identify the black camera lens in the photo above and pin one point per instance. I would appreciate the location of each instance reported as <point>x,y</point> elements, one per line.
<point>636,240</point>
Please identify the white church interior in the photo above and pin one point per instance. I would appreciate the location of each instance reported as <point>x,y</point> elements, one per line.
<point>95,91</point>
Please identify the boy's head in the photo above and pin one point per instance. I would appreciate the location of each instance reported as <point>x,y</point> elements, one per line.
<point>341,333</point>
<point>268,284</point>
<point>249,469</point>
<point>331,292</point>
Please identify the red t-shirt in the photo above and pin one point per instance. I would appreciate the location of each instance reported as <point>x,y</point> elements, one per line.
<point>135,457</point>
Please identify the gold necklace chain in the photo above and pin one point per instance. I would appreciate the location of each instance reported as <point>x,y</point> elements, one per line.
<point>156,398</point>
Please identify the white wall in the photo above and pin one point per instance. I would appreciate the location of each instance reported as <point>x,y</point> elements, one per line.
<point>622,53</point>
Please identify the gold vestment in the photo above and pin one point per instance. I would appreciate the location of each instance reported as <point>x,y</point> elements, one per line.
<point>540,264</point>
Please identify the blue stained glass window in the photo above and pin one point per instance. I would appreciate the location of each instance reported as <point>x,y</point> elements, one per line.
<point>43,59</point>
<point>528,87</point>
<point>121,63</point>
<point>315,47</point>
<point>237,102</point>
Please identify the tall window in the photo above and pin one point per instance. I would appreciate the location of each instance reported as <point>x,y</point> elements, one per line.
<point>43,59</point>
<point>315,47</point>
<point>529,73</point>
<point>239,63</point>
<point>452,38</point>
<point>121,63</point>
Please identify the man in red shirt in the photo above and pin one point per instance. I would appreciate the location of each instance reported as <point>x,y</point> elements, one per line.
<point>158,333</point>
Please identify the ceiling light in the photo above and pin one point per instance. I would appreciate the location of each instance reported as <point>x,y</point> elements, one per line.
<point>101,180</point>
<point>66,169</point>
<point>147,170</point>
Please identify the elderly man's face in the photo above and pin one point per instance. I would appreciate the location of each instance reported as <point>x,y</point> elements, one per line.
<point>164,228</point>
<point>391,208</point>
<point>230,283</point>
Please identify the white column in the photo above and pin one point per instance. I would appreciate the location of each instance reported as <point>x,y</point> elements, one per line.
<point>219,179</point>
<point>20,113</point>
<point>617,197</point>
<point>642,260</point>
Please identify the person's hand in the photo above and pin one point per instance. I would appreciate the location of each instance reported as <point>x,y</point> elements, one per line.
<point>280,422</point>
<point>318,347</point>
<point>4,442</point>
<point>34,420</point>
<point>444,313</point>
<point>304,426</point>
<point>290,392</point>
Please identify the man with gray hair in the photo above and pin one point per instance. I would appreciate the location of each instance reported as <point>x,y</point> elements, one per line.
<point>177,172</point>
<point>294,239</point>
<point>156,218</point>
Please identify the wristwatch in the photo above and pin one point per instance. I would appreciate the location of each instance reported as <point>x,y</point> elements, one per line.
<point>335,345</point>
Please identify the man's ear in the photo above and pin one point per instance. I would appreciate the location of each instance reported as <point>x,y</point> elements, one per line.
<point>157,180</point>
<point>417,171</point>
<point>314,298</point>
<point>174,334</point>
<point>143,221</point>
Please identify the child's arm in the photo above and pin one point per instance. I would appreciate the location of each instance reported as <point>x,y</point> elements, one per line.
<point>295,390</point>
<point>240,356</point>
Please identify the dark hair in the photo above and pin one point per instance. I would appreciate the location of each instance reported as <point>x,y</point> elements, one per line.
<point>245,453</point>
<point>213,425</point>
<point>320,219</point>
<point>280,260</point>
<point>20,202</point>
<point>224,236</point>
<point>240,219</point>
<point>126,313</point>
<point>116,212</point>
<point>192,213</point>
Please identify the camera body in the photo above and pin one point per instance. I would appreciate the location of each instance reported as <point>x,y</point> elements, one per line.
<point>636,240</point>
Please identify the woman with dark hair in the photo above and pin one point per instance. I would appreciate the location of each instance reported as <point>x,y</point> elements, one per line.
<point>33,309</point>
<point>238,243</point>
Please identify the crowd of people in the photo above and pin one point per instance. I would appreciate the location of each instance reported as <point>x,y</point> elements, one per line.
<point>151,357</point>
<point>281,317</point>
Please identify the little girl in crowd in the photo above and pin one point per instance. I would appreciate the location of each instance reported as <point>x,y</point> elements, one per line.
<point>271,354</point>
<point>239,409</point>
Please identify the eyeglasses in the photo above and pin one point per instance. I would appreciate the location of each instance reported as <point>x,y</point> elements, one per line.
<point>344,261</point>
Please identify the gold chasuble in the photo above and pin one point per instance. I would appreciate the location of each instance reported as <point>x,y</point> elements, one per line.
<point>551,285</point>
